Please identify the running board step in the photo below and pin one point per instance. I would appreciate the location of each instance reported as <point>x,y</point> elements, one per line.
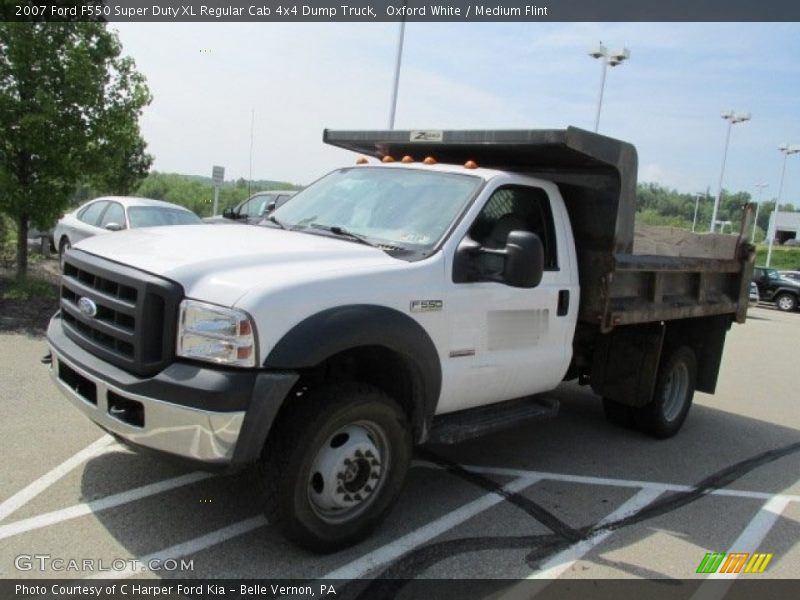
<point>465,424</point>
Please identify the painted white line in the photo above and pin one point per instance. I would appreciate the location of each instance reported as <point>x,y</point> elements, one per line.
<point>748,541</point>
<point>631,483</point>
<point>101,504</point>
<point>397,548</point>
<point>562,561</point>
<point>25,495</point>
<point>186,548</point>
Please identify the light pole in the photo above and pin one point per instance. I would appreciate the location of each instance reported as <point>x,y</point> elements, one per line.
<point>399,59</point>
<point>609,59</point>
<point>696,204</point>
<point>786,150</point>
<point>760,187</point>
<point>732,118</point>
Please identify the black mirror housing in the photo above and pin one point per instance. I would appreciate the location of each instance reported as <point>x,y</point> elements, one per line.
<point>524,259</point>
<point>228,213</point>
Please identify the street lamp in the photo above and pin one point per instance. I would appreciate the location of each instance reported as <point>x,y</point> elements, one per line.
<point>786,150</point>
<point>760,187</point>
<point>732,118</point>
<point>609,59</point>
<point>698,195</point>
<point>398,60</point>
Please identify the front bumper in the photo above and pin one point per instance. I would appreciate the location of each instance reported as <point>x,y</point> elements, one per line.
<point>218,417</point>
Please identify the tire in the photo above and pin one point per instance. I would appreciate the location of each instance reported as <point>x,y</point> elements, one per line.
<point>672,395</point>
<point>617,413</point>
<point>62,250</point>
<point>321,459</point>
<point>786,302</point>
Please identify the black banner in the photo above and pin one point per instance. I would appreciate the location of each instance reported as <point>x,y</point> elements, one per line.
<point>278,11</point>
<point>744,588</point>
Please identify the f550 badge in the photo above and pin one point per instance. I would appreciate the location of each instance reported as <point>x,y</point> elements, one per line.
<point>426,305</point>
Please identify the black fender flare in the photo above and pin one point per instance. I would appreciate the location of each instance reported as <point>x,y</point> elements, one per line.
<point>342,328</point>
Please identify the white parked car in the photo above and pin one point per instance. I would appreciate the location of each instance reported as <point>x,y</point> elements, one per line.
<point>115,213</point>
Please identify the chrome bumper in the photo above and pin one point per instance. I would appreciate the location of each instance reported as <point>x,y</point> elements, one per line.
<point>205,436</point>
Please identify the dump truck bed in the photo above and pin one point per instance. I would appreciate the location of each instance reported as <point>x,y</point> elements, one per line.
<point>596,176</point>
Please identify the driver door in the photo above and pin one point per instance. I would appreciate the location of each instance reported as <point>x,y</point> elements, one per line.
<point>507,342</point>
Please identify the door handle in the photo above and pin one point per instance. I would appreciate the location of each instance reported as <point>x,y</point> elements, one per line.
<point>563,303</point>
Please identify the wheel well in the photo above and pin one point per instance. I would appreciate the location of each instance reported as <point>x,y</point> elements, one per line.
<point>386,369</point>
<point>61,241</point>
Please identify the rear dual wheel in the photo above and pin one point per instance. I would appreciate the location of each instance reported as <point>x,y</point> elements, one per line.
<point>672,397</point>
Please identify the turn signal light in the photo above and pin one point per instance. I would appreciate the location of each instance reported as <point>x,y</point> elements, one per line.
<point>407,159</point>
<point>362,160</point>
<point>388,158</point>
<point>429,160</point>
<point>470,164</point>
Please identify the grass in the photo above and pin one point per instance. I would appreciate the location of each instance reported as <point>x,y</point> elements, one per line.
<point>28,288</point>
<point>786,259</point>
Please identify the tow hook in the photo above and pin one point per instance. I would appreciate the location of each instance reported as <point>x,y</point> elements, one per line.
<point>47,359</point>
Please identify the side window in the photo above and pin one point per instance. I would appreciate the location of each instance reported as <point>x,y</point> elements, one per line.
<point>114,214</point>
<point>91,214</point>
<point>517,207</point>
<point>257,206</point>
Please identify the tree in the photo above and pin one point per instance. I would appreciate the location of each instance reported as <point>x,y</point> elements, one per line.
<point>69,115</point>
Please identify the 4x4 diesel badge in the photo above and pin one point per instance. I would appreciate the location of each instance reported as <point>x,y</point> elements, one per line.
<point>87,307</point>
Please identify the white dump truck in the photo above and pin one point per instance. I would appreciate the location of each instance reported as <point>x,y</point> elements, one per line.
<point>432,291</point>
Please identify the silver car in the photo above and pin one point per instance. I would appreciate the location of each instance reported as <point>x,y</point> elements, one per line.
<point>114,213</point>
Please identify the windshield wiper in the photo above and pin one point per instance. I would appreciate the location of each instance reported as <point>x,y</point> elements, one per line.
<point>272,219</point>
<point>335,229</point>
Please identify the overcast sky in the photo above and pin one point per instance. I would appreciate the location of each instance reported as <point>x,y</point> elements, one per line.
<point>300,78</point>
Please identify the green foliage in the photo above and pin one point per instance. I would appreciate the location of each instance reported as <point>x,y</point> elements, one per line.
<point>69,110</point>
<point>27,288</point>
<point>783,257</point>
<point>657,205</point>
<point>197,193</point>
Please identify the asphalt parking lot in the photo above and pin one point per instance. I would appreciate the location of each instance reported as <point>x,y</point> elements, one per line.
<point>574,497</point>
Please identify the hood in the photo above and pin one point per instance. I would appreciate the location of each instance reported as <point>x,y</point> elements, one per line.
<point>220,263</point>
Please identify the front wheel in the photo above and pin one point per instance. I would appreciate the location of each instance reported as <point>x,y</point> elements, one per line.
<point>786,302</point>
<point>62,250</point>
<point>672,396</point>
<point>334,465</point>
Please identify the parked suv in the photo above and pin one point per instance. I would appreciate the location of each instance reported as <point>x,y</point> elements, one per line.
<point>254,209</point>
<point>772,287</point>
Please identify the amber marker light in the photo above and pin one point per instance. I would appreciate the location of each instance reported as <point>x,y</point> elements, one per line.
<point>429,160</point>
<point>388,158</point>
<point>470,164</point>
<point>407,159</point>
<point>362,160</point>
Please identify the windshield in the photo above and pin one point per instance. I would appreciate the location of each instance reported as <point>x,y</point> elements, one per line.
<point>154,216</point>
<point>404,209</point>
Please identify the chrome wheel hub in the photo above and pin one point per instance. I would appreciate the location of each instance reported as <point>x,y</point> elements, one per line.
<point>347,471</point>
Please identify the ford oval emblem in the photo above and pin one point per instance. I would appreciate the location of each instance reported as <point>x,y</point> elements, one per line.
<point>87,307</point>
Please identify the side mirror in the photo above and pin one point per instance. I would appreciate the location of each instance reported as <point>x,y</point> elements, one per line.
<point>270,207</point>
<point>114,227</point>
<point>524,259</point>
<point>228,213</point>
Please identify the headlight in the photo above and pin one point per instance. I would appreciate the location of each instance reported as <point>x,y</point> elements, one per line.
<point>216,334</point>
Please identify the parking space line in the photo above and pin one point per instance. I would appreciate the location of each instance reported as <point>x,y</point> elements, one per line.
<point>655,485</point>
<point>562,561</point>
<point>397,548</point>
<point>101,504</point>
<point>187,548</point>
<point>25,495</point>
